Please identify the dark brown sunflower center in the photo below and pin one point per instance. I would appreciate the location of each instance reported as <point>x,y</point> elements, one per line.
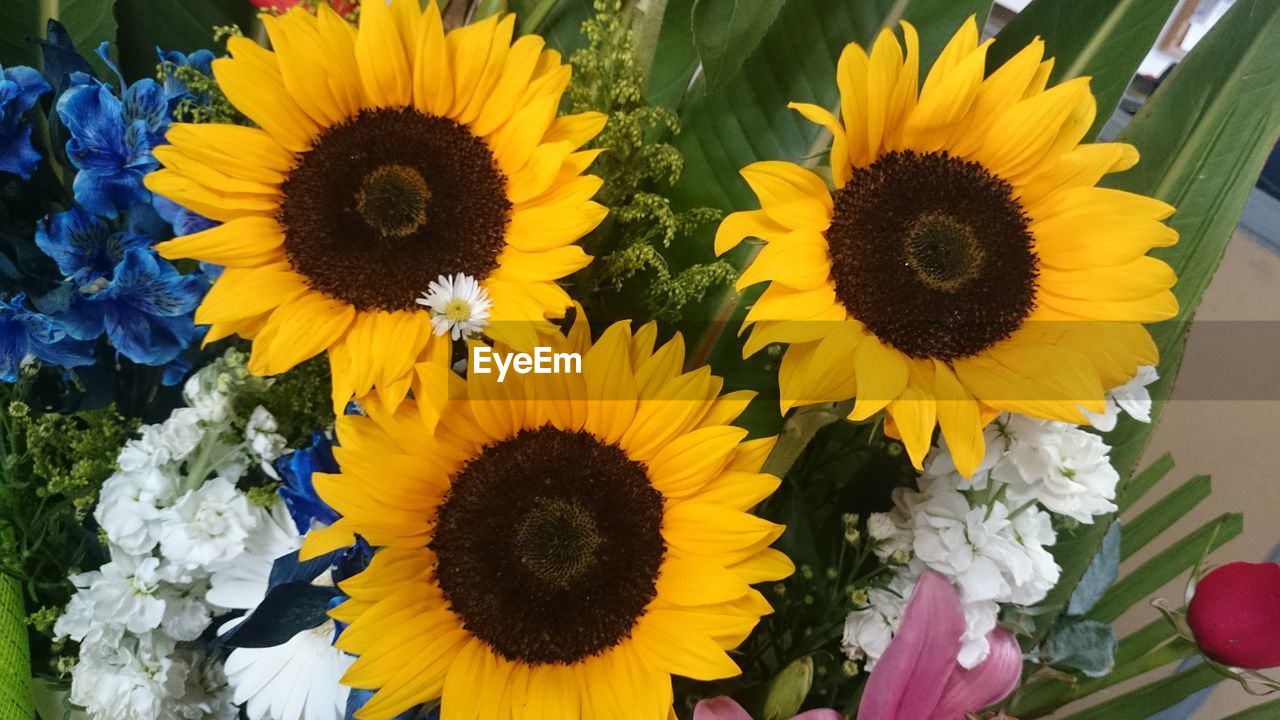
<point>549,545</point>
<point>387,201</point>
<point>393,200</point>
<point>932,254</point>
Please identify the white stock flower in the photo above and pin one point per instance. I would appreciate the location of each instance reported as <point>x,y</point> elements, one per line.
<point>207,525</point>
<point>459,305</point>
<point>987,554</point>
<point>127,591</point>
<point>1132,397</point>
<point>979,619</point>
<point>130,504</point>
<point>867,631</point>
<point>211,405</point>
<point>1064,468</point>
<point>260,431</point>
<point>135,679</point>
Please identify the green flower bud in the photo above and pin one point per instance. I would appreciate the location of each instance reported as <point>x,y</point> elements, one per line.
<point>788,689</point>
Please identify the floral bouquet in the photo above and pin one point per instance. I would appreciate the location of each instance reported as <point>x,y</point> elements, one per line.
<point>625,360</point>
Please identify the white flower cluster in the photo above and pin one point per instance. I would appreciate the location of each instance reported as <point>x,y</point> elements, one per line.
<point>173,517</point>
<point>990,534</point>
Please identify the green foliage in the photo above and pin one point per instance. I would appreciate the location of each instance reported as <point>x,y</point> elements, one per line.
<point>726,31</point>
<point>639,170</point>
<point>51,469</point>
<point>180,25</point>
<point>299,399</point>
<point>212,105</point>
<point>74,454</point>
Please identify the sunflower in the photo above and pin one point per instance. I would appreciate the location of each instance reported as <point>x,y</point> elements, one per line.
<point>384,158</point>
<point>560,545</point>
<point>965,263</point>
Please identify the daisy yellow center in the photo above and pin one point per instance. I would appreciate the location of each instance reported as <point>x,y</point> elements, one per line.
<point>932,254</point>
<point>386,201</point>
<point>548,545</point>
<point>393,199</point>
<point>457,310</point>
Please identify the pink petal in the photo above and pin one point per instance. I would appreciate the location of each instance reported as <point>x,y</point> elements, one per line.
<point>911,675</point>
<point>823,714</point>
<point>987,684</point>
<point>719,708</point>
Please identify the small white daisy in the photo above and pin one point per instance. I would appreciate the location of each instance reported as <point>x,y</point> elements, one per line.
<point>458,304</point>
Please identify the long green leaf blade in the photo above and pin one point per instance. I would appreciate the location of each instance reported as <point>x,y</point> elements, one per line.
<point>1152,698</point>
<point>1265,711</point>
<point>1144,481</point>
<point>1156,519</point>
<point>1104,39</point>
<point>1167,565</point>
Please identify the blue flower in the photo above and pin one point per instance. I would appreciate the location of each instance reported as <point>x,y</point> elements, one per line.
<point>298,491</point>
<point>111,140</point>
<point>175,90</point>
<point>19,88</point>
<point>86,248</point>
<point>25,334</point>
<point>145,309</point>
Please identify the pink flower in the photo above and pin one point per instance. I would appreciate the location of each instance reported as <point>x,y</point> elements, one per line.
<point>918,677</point>
<point>1235,615</point>
<point>724,708</point>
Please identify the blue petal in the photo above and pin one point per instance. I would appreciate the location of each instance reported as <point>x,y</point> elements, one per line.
<point>84,247</point>
<point>17,155</point>
<point>30,85</point>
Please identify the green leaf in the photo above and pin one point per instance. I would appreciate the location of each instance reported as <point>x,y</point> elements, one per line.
<point>562,25</point>
<point>726,31</point>
<point>88,23</point>
<point>1167,565</point>
<point>1084,645</point>
<point>1265,711</point>
<point>1203,137</point>
<point>171,25</point>
<point>728,127</point>
<point>1156,519</point>
<point>1046,694</point>
<point>1104,39</point>
<point>1144,481</point>
<point>676,57</point>
<point>1100,575</point>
